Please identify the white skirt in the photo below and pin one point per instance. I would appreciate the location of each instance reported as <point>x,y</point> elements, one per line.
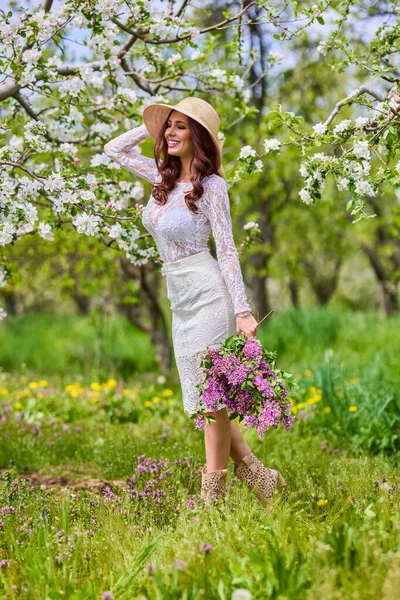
<point>203,315</point>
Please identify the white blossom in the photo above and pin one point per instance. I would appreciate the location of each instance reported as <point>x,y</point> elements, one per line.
<point>303,170</point>
<point>219,74</point>
<point>342,126</point>
<point>54,183</point>
<point>321,48</point>
<point>3,313</point>
<point>272,144</point>
<point>31,56</point>
<point>3,278</point>
<point>320,128</point>
<point>258,166</point>
<point>173,59</point>
<point>116,231</point>
<point>237,82</point>
<point>250,225</point>
<point>343,183</point>
<point>7,234</point>
<point>87,195</point>
<point>72,86</point>
<point>196,54</point>
<point>364,188</point>
<point>45,232</point>
<point>305,196</point>
<point>361,149</point>
<point>247,151</point>
<point>360,122</point>
<point>128,93</point>
<point>87,224</point>
<point>246,95</point>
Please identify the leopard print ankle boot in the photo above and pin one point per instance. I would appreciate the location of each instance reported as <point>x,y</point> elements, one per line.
<point>259,479</point>
<point>213,484</point>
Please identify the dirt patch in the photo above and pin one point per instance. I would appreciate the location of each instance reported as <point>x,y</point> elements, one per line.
<point>73,477</point>
<point>62,482</point>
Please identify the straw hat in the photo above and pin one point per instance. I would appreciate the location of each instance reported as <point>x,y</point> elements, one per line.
<point>155,115</point>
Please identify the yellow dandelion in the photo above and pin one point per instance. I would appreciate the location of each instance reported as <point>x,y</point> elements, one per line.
<point>93,394</point>
<point>310,401</point>
<point>317,397</point>
<point>166,393</point>
<point>300,406</point>
<point>322,502</point>
<point>72,386</point>
<point>3,391</point>
<point>353,408</point>
<point>155,399</point>
<point>23,393</point>
<point>43,383</point>
<point>308,372</point>
<point>33,385</point>
<point>313,389</point>
<point>354,380</point>
<point>17,405</point>
<point>40,396</point>
<point>111,383</point>
<point>327,410</point>
<point>148,403</point>
<point>293,410</point>
<point>170,402</point>
<point>290,400</point>
<point>97,387</point>
<point>94,399</point>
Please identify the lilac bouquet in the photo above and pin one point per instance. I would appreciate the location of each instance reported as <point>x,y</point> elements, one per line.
<point>240,374</point>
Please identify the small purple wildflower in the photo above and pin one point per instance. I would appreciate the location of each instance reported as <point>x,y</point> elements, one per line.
<point>205,547</point>
<point>107,596</point>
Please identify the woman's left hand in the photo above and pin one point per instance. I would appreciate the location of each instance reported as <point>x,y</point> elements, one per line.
<point>247,325</point>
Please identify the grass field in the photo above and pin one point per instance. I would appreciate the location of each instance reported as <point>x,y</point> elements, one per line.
<point>101,469</point>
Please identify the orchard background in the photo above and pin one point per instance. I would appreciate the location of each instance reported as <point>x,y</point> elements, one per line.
<point>100,467</point>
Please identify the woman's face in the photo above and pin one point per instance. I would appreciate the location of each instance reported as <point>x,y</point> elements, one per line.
<point>178,131</point>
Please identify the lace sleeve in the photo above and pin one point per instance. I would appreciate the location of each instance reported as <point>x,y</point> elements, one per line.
<point>215,205</point>
<point>120,150</point>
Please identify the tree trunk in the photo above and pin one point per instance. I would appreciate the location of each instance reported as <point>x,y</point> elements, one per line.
<point>158,328</point>
<point>294,292</point>
<point>389,289</point>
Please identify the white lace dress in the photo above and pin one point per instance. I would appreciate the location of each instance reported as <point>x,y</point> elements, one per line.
<point>205,294</point>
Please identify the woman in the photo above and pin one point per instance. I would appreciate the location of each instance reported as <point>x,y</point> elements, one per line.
<point>208,300</point>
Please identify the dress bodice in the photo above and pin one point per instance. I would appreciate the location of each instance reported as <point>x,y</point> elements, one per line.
<point>178,231</point>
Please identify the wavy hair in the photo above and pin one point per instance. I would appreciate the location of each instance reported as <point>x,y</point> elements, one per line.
<point>204,161</point>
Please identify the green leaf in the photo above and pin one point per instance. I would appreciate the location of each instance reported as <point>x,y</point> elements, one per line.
<point>321,20</point>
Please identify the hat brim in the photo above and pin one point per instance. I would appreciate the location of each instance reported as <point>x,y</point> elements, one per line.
<point>155,115</point>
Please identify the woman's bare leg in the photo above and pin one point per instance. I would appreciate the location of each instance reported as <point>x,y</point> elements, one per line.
<point>223,438</point>
<point>217,438</point>
<point>239,446</point>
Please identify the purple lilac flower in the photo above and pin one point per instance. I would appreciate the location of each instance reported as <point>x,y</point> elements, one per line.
<point>252,349</point>
<point>213,394</point>
<point>237,376</point>
<point>205,547</point>
<point>263,386</point>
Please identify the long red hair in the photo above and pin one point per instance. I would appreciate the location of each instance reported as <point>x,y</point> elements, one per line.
<point>203,163</point>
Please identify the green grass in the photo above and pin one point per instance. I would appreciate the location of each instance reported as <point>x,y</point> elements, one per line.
<point>68,345</point>
<point>336,536</point>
